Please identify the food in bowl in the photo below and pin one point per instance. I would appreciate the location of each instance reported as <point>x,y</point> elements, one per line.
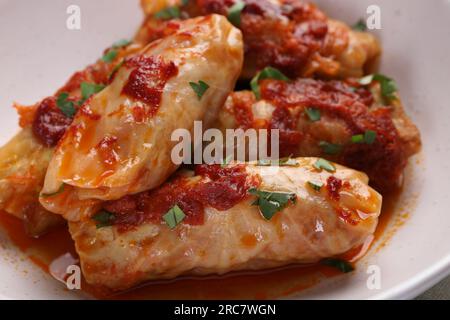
<point>96,156</point>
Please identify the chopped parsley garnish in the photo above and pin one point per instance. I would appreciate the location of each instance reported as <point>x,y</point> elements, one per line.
<point>89,89</point>
<point>360,26</point>
<point>226,161</point>
<point>267,73</point>
<point>109,56</point>
<point>104,219</point>
<point>264,163</point>
<point>313,114</point>
<point>234,13</point>
<point>341,265</point>
<point>288,162</point>
<point>67,107</point>
<point>324,164</point>
<point>315,185</point>
<point>270,203</point>
<point>168,13</point>
<point>116,68</point>
<point>121,43</point>
<point>284,162</point>
<point>388,85</point>
<point>199,88</point>
<point>174,217</point>
<point>330,148</point>
<point>358,138</point>
<point>59,191</point>
<point>368,137</point>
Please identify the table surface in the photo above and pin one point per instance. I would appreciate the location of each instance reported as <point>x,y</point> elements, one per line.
<point>441,291</point>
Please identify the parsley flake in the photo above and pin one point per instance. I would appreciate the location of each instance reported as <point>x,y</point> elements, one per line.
<point>270,203</point>
<point>104,219</point>
<point>168,13</point>
<point>388,85</point>
<point>330,148</point>
<point>109,56</point>
<point>325,165</point>
<point>199,88</point>
<point>226,161</point>
<point>315,185</point>
<point>116,69</point>
<point>360,26</point>
<point>341,265</point>
<point>174,217</point>
<point>267,73</point>
<point>234,13</point>
<point>121,43</point>
<point>67,107</point>
<point>368,137</point>
<point>313,114</point>
<point>284,162</point>
<point>89,89</point>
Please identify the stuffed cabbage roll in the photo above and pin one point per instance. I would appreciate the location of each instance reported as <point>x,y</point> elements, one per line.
<point>25,159</point>
<point>360,126</point>
<point>23,163</point>
<point>120,141</point>
<point>228,218</point>
<point>293,36</point>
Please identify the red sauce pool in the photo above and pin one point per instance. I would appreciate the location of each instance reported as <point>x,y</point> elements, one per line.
<point>255,285</point>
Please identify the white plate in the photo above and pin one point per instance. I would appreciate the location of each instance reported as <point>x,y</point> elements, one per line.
<point>38,53</point>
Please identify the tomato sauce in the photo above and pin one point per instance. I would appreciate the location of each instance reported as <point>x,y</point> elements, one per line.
<point>282,36</point>
<point>107,150</point>
<point>216,187</point>
<point>290,137</point>
<point>148,79</point>
<point>341,103</point>
<point>334,185</point>
<point>49,123</point>
<point>268,284</point>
